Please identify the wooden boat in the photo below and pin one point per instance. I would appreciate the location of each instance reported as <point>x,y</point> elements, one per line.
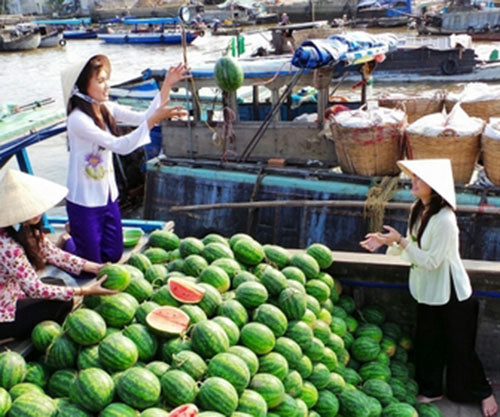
<point>151,31</point>
<point>15,39</point>
<point>76,28</point>
<point>51,37</point>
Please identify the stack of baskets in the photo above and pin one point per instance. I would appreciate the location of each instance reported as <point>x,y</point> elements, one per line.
<point>415,107</point>
<point>371,151</point>
<point>483,109</point>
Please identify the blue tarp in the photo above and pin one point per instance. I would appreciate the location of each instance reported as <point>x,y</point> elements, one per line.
<point>351,47</point>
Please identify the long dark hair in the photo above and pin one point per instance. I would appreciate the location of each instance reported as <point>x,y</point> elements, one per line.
<point>419,210</point>
<point>93,67</point>
<point>30,237</point>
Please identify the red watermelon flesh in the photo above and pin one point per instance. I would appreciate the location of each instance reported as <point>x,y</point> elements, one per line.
<point>168,320</point>
<point>186,410</point>
<point>185,291</point>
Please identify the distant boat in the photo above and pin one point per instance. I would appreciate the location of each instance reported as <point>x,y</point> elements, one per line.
<point>74,28</point>
<point>17,39</point>
<point>151,31</point>
<point>50,37</point>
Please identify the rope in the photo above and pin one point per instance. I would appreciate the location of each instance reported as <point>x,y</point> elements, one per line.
<point>227,131</point>
<point>376,199</point>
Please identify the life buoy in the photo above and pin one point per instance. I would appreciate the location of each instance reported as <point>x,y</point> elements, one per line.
<point>62,42</point>
<point>449,66</point>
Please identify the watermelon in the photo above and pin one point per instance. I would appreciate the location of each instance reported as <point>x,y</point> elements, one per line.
<point>191,363</point>
<point>211,300</point>
<point>215,238</point>
<point>65,408</point>
<point>306,263</point>
<point>178,388</point>
<point>269,387</point>
<point>251,294</point>
<point>272,317</point>
<point>327,404</point>
<point>300,332</point>
<point>184,291</point>
<point>61,353</point>
<point>216,250</point>
<point>185,410</point>
<point>219,395</point>
<point>309,394</point>
<point>139,388</point>
<point>163,297</point>
<point>85,327</point>
<point>44,333</point>
<point>277,255</point>
<point>375,370</point>
<point>287,408</point>
<point>118,277</point>
<point>251,402</point>
<point>293,303</point>
<point>146,343</point>
<point>258,337</point>
<point>32,404</point>
<point>238,236</point>
<point>228,74</point>
<point>365,349</point>
<point>295,274</point>
<point>216,277</point>
<point>158,367</point>
<point>60,382</point>
<point>399,410</point>
<point>167,320</point>
<point>156,275</point>
<point>354,403</point>
<point>322,254</point>
<point>5,402</point>
<point>230,266</point>
<point>164,239</point>
<point>337,383</point>
<point>118,310</point>
<point>242,277</point>
<point>157,255</point>
<point>293,384</point>
<point>428,410</point>
<point>347,303</point>
<point>399,370</point>
<point>140,289</point>
<point>248,251</point>
<point>318,289</point>
<point>275,364</point>
<point>208,339</point>
<point>37,374</point>
<point>235,311</point>
<point>289,349</point>
<point>173,346</point>
<point>232,368</point>
<point>370,330</point>
<point>378,389</point>
<point>230,327</point>
<point>118,410</point>
<point>12,369</point>
<point>190,246</point>
<point>321,330</point>
<point>159,412</point>
<point>140,261</point>
<point>88,357</point>
<point>134,272</point>
<point>193,265</point>
<point>23,388</point>
<point>93,389</point>
<point>249,357</point>
<point>195,313</point>
<point>117,352</point>
<point>274,281</point>
<point>143,310</point>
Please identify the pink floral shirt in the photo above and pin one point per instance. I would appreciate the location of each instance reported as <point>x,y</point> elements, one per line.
<point>18,278</point>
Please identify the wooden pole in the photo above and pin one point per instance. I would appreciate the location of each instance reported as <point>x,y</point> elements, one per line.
<point>320,203</point>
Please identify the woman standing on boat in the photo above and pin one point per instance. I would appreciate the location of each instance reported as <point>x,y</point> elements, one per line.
<point>446,312</point>
<point>25,300</point>
<point>92,201</point>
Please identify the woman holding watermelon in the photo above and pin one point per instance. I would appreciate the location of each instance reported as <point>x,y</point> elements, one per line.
<point>25,299</point>
<point>446,311</point>
<point>92,201</point>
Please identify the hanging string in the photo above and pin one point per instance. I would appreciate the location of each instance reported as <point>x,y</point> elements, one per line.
<point>376,199</point>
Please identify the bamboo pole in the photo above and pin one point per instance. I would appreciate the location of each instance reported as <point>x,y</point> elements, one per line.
<point>320,203</point>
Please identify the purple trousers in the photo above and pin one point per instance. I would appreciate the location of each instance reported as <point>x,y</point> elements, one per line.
<point>96,232</point>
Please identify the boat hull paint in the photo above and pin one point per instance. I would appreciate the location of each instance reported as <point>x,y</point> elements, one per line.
<point>23,43</point>
<point>79,34</point>
<point>147,38</point>
<point>339,228</point>
<point>49,41</point>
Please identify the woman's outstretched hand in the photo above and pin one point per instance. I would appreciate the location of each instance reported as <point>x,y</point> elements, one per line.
<point>372,242</point>
<point>97,288</point>
<point>174,75</point>
<point>164,111</point>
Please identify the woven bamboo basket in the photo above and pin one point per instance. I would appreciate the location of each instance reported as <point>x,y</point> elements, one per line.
<point>369,151</point>
<point>490,151</point>
<point>462,151</point>
<point>414,107</point>
<point>482,109</point>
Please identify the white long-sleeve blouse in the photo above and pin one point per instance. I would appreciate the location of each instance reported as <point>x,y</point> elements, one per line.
<point>432,263</point>
<point>91,179</point>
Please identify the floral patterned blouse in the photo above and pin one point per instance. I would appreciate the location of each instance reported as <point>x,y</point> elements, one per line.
<point>18,278</point>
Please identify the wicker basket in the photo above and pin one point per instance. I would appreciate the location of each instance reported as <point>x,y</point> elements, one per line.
<point>490,151</point>
<point>482,109</point>
<point>369,151</point>
<point>463,151</point>
<point>415,107</point>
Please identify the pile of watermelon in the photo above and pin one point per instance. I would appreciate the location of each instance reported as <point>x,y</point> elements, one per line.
<point>229,327</point>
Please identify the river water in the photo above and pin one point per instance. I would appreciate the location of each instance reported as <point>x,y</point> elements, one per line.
<point>35,75</point>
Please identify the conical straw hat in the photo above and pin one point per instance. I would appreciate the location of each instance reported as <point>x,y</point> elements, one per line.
<point>436,173</point>
<point>69,76</point>
<point>24,196</point>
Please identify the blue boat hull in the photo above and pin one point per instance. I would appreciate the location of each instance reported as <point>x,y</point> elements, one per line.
<point>79,34</point>
<point>147,38</point>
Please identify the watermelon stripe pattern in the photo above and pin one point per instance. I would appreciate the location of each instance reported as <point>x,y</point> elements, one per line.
<point>93,389</point>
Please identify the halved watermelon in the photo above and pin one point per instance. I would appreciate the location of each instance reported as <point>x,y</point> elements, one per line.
<point>185,410</point>
<point>131,236</point>
<point>185,291</point>
<point>168,320</point>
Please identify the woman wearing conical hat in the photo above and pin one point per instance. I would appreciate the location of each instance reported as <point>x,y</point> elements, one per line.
<point>92,201</point>
<point>25,300</point>
<point>438,281</point>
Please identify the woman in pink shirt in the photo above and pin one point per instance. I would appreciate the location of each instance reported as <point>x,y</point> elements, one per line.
<point>25,299</point>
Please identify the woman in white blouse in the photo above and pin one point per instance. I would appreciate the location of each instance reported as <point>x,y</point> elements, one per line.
<point>446,312</point>
<point>92,201</point>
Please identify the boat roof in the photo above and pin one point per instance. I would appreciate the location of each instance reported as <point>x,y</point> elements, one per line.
<point>75,21</point>
<point>153,21</point>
